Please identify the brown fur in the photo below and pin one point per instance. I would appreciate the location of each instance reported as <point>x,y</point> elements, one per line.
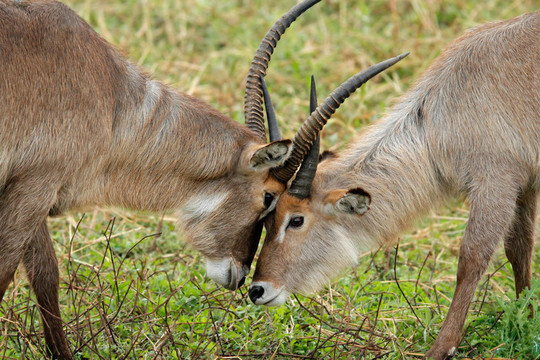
<point>82,127</point>
<point>470,127</point>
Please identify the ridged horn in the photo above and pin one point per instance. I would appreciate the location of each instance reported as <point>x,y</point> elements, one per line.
<point>301,184</point>
<point>314,123</point>
<point>253,96</point>
<point>273,129</point>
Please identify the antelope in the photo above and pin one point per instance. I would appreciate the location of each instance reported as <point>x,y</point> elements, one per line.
<point>80,126</point>
<point>469,127</point>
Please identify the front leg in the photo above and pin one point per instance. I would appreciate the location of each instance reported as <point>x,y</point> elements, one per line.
<point>470,270</point>
<point>24,204</point>
<point>42,271</point>
<point>490,217</point>
<point>23,207</point>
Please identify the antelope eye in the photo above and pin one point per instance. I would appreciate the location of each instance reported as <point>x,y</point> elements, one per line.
<point>268,198</point>
<point>296,221</point>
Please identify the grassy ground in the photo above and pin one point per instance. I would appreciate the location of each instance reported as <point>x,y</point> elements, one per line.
<point>128,293</point>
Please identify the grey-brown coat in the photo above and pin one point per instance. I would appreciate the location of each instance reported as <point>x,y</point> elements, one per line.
<point>80,127</point>
<point>471,127</point>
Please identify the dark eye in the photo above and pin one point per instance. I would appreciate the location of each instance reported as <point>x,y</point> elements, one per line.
<point>268,198</point>
<point>296,221</point>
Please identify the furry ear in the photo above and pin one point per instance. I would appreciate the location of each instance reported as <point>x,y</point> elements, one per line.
<point>351,201</point>
<point>327,154</point>
<point>270,155</point>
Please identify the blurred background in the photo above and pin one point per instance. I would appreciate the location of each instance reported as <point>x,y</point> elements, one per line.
<point>130,287</point>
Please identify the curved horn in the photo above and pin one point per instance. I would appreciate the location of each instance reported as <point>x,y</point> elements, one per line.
<point>301,184</point>
<point>273,129</point>
<point>314,123</point>
<point>253,95</point>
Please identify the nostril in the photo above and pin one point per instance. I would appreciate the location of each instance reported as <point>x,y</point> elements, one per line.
<point>256,292</point>
<point>242,281</point>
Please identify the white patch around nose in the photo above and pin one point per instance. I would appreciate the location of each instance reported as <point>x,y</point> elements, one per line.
<point>202,205</point>
<point>219,270</point>
<point>270,296</point>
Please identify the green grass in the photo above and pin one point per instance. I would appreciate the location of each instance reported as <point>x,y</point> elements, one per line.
<point>128,293</point>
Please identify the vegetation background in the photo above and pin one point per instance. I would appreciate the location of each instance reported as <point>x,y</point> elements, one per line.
<point>131,289</point>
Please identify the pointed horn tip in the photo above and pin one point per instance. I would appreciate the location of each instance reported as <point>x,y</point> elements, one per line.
<point>389,62</point>
<point>400,57</point>
<point>404,55</point>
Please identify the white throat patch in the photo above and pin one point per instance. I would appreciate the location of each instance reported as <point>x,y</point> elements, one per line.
<point>202,205</point>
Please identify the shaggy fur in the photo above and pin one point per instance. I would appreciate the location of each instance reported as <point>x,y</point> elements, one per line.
<point>80,127</point>
<point>470,127</point>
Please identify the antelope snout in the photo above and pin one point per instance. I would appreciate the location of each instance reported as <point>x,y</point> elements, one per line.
<point>264,293</point>
<point>255,293</point>
<point>226,272</point>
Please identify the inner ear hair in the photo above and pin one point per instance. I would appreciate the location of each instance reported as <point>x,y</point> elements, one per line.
<point>271,155</point>
<point>355,201</point>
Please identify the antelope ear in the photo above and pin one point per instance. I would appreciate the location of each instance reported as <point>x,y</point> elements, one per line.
<point>269,155</point>
<point>343,201</point>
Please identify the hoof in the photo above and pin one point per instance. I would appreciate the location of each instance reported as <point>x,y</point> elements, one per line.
<point>439,354</point>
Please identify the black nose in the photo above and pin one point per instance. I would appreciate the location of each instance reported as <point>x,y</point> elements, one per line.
<point>241,282</point>
<point>256,292</point>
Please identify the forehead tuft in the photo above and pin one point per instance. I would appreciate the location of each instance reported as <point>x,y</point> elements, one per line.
<point>289,203</point>
<point>273,185</point>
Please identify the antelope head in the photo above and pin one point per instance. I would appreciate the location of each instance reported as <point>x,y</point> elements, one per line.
<point>303,245</point>
<point>233,218</point>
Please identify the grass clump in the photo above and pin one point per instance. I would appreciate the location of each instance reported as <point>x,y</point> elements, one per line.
<point>508,328</point>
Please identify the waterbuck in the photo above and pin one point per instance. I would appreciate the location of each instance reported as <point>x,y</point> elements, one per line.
<point>469,127</point>
<point>80,126</point>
